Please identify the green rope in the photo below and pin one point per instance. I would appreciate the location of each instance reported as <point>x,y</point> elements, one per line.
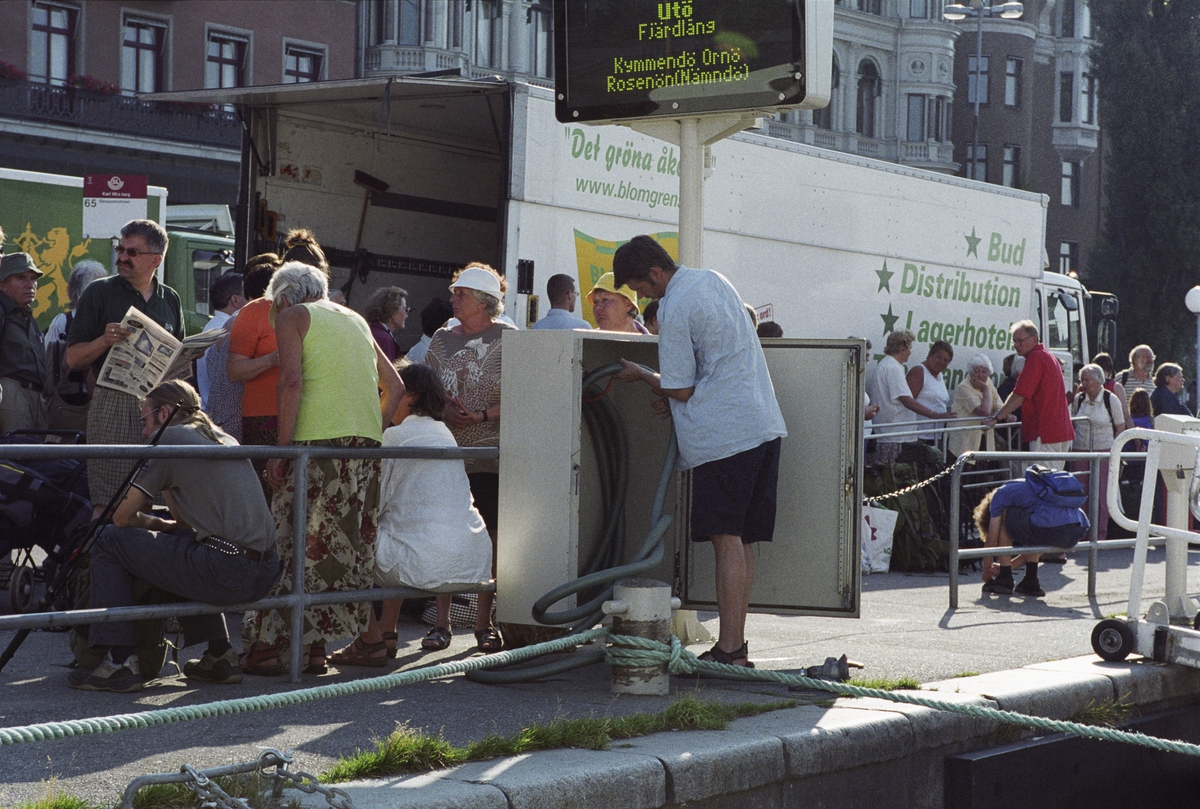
<point>47,731</point>
<point>627,650</point>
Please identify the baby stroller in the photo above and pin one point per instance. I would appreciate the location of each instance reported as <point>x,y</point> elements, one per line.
<point>43,504</point>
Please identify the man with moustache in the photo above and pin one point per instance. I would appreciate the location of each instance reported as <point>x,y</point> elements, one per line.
<point>114,416</point>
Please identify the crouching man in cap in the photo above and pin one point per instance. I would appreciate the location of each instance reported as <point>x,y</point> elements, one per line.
<point>218,547</point>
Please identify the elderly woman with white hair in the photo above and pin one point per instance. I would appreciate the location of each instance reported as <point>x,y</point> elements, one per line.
<point>467,360</point>
<point>1105,421</point>
<point>974,396</point>
<point>330,375</point>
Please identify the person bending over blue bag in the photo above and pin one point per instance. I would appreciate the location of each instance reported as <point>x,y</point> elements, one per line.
<point>1042,509</point>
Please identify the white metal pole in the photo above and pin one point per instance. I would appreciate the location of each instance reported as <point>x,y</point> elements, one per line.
<point>691,193</point>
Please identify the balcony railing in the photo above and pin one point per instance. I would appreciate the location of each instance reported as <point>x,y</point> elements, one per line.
<point>69,106</point>
<point>930,155</point>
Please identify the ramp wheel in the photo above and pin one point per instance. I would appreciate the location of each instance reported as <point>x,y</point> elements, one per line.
<point>20,588</point>
<point>1112,640</point>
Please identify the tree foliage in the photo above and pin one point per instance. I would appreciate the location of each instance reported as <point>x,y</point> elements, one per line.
<point>1146,61</point>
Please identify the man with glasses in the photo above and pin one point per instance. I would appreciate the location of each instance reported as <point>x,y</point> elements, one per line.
<point>96,327</point>
<point>560,290</point>
<point>1042,396</point>
<point>1140,373</point>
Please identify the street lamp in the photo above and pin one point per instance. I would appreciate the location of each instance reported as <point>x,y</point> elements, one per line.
<point>980,9</point>
<point>1192,301</point>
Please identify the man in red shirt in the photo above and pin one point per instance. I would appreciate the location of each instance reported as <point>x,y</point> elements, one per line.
<point>1041,395</point>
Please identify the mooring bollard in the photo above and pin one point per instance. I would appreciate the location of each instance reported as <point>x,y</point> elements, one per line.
<point>641,608</point>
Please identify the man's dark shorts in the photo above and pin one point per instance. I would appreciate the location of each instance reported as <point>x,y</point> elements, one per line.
<point>737,495</point>
<point>1025,534</point>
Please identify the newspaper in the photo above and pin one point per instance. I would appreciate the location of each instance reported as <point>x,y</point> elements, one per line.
<point>151,355</point>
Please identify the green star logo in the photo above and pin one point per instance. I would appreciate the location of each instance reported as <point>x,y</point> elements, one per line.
<point>973,244</point>
<point>889,321</point>
<point>884,277</point>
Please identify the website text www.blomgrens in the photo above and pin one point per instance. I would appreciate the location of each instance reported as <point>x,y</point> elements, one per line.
<point>625,190</point>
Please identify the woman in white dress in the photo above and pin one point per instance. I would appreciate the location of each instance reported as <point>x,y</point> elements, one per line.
<point>929,388</point>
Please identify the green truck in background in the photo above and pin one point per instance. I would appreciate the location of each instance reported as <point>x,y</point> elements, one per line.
<point>42,215</point>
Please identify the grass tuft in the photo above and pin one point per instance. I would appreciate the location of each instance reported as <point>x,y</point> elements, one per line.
<point>887,684</point>
<point>1104,714</point>
<point>966,674</point>
<point>407,750</point>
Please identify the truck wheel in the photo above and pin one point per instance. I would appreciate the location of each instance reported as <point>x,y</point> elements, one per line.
<point>1112,640</point>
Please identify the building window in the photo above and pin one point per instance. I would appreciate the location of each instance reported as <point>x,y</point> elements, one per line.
<point>302,64</point>
<point>381,22</point>
<point>1068,257</point>
<point>485,33</point>
<point>868,93</point>
<point>142,56</point>
<point>225,61</point>
<point>410,22</point>
<point>916,118</point>
<point>1068,20</point>
<point>918,9</point>
<point>1012,82</point>
<point>1087,91</point>
<point>980,78</point>
<point>52,43</point>
<point>823,117</point>
<point>1066,97</point>
<point>977,169</point>
<point>1012,167</point>
<point>454,24</point>
<point>871,6</point>
<point>1070,184</point>
<point>541,40</point>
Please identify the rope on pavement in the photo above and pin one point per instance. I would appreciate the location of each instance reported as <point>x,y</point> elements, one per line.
<point>682,662</point>
<point>48,731</point>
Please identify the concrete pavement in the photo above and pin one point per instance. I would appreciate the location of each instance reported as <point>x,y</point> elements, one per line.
<point>906,630</point>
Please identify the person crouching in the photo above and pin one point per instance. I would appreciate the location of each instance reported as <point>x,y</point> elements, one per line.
<point>217,548</point>
<point>1013,515</point>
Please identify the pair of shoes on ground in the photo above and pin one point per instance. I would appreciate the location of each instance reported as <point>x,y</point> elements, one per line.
<point>738,657</point>
<point>121,678</point>
<point>362,653</point>
<point>1029,586</point>
<point>211,669</point>
<point>488,640</point>
<point>437,639</point>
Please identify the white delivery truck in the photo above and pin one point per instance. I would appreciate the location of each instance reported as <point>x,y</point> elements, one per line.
<point>826,244</point>
<point>405,180</point>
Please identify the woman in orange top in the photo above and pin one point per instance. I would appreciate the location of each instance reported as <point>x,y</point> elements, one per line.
<point>254,361</point>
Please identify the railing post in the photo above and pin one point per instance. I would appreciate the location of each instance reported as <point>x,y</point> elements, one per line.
<point>955,507</point>
<point>299,542</point>
<point>1094,496</point>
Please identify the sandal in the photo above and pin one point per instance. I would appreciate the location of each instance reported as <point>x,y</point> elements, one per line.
<point>316,660</point>
<point>262,662</point>
<point>391,639</point>
<point>718,655</point>
<point>361,653</point>
<point>488,640</point>
<point>437,639</point>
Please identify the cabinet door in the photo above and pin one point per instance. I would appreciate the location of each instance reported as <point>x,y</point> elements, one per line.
<point>812,566</point>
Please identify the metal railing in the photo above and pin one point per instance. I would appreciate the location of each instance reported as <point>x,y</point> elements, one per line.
<point>73,107</point>
<point>297,599</point>
<point>1093,545</point>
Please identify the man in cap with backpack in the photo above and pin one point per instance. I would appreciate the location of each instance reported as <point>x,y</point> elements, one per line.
<point>1043,509</point>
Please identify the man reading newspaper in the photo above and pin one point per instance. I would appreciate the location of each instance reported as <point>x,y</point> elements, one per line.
<point>114,415</point>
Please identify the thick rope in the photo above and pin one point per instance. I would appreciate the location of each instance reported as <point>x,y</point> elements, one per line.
<point>47,731</point>
<point>680,661</point>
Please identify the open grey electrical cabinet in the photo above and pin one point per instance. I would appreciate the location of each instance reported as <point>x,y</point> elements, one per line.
<point>551,520</point>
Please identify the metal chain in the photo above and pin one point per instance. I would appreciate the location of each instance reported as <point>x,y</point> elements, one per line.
<point>209,792</point>
<point>874,500</point>
<point>336,798</point>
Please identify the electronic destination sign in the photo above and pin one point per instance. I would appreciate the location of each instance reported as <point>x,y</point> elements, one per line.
<point>618,59</point>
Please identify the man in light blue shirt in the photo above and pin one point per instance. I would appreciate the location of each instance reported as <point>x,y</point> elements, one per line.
<point>560,290</point>
<point>727,420</point>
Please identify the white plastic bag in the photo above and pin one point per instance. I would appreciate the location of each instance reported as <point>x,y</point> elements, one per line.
<point>878,525</point>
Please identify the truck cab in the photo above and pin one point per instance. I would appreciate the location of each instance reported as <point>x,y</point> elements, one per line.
<point>194,260</point>
<point>1063,306</point>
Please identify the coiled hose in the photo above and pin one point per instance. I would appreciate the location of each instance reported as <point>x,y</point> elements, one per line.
<point>603,567</point>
